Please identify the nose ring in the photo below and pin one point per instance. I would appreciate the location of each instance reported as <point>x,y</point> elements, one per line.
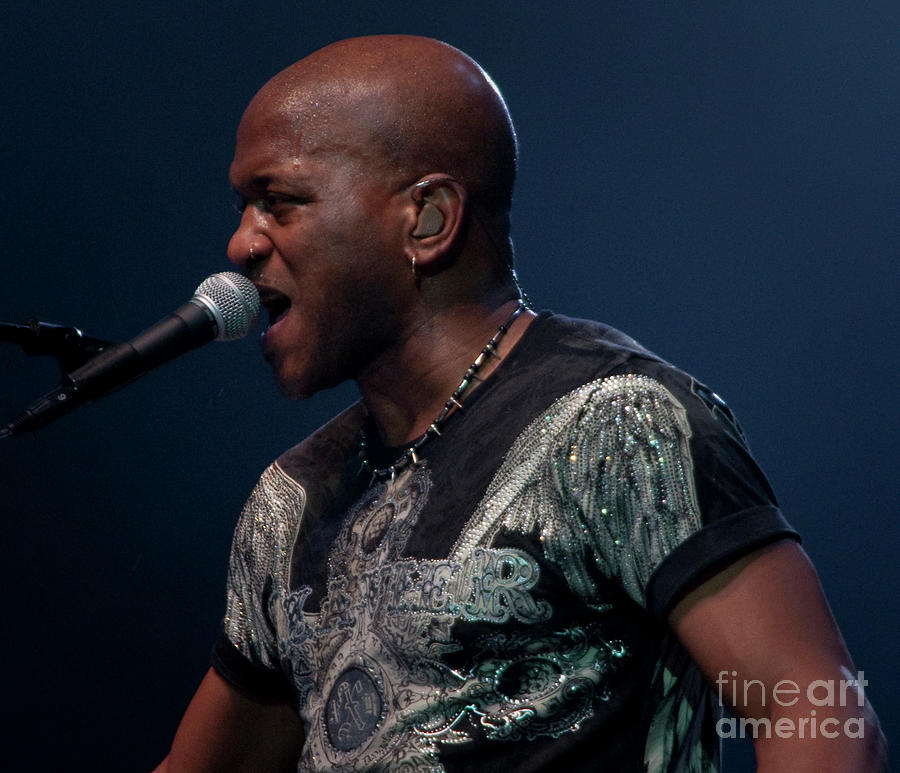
<point>252,256</point>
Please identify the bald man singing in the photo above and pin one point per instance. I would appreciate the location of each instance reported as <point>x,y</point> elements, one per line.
<point>533,545</point>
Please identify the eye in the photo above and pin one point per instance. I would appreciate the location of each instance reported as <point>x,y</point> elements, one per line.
<point>276,204</point>
<point>279,205</point>
<point>272,201</point>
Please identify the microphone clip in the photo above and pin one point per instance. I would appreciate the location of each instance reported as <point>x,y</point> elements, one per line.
<point>68,345</point>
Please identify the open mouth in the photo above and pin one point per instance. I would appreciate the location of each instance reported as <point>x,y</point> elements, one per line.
<point>276,305</point>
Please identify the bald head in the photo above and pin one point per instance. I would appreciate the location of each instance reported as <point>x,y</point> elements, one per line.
<point>411,106</point>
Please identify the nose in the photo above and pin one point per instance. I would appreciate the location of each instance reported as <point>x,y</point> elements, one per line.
<point>248,244</point>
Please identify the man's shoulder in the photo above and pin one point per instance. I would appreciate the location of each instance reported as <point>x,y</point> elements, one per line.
<point>561,345</point>
<point>591,335</point>
<point>577,327</point>
<point>324,453</point>
<point>571,345</point>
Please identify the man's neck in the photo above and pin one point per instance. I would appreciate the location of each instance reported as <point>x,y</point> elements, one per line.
<point>408,387</point>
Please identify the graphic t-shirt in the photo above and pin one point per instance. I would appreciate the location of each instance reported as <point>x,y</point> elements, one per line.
<point>501,604</point>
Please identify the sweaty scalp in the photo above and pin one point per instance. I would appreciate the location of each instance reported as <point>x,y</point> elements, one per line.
<point>414,105</point>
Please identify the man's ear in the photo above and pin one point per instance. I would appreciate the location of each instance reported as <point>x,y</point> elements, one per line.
<point>440,204</point>
<point>431,219</point>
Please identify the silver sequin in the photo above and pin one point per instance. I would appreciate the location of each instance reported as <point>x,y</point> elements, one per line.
<point>260,563</point>
<point>608,465</point>
<point>604,476</point>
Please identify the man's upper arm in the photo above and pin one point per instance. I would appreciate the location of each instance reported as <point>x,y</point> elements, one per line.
<point>225,731</point>
<point>764,636</point>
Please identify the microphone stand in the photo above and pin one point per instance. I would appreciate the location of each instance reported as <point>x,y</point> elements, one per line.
<point>68,345</point>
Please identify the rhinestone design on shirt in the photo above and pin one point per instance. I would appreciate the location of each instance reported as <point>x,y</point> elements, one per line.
<point>260,563</point>
<point>607,465</point>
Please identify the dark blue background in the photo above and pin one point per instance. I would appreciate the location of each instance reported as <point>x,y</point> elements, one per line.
<point>720,182</point>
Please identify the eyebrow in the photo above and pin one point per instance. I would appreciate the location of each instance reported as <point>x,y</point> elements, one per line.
<point>254,183</point>
<point>263,181</point>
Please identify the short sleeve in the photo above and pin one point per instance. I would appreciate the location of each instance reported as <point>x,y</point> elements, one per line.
<point>247,653</point>
<point>665,487</point>
<point>633,481</point>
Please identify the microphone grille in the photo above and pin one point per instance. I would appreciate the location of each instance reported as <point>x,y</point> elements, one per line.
<point>235,299</point>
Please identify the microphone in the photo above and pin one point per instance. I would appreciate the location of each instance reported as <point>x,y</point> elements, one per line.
<point>224,307</point>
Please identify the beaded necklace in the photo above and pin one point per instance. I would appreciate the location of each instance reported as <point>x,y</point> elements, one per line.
<point>410,455</point>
